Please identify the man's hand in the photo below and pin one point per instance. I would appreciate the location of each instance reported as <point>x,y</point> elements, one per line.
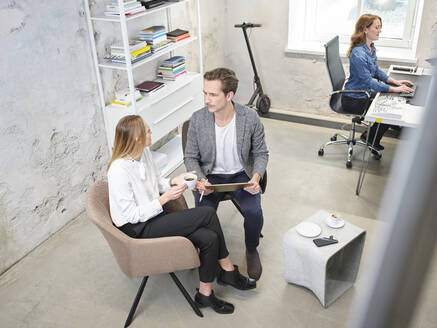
<point>179,179</point>
<point>200,186</point>
<point>173,193</point>
<point>254,188</point>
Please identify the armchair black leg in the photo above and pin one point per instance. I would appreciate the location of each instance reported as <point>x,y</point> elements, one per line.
<point>185,293</point>
<point>135,304</point>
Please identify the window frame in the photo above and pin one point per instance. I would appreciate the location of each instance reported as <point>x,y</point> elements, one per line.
<point>303,41</point>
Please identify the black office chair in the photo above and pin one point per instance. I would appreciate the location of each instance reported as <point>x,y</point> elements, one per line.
<point>338,78</point>
<point>228,196</point>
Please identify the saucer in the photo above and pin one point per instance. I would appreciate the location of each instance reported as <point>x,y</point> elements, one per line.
<point>334,224</point>
<point>308,229</point>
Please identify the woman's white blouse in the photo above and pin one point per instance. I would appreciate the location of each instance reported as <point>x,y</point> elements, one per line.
<point>134,188</point>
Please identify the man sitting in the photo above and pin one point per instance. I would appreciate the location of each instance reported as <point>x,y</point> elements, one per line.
<point>225,144</point>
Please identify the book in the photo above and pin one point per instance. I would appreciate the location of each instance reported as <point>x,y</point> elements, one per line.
<point>153,29</point>
<point>152,3</point>
<point>154,40</point>
<point>172,68</point>
<point>124,95</point>
<point>120,53</point>
<point>133,45</point>
<point>171,74</point>
<point>127,6</point>
<point>117,103</point>
<point>148,86</point>
<point>176,33</point>
<point>128,13</point>
<point>178,38</point>
<point>173,60</point>
<point>172,78</point>
<point>126,3</point>
<point>122,60</point>
<point>161,46</point>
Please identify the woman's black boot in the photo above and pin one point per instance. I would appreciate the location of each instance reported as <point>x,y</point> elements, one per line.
<point>235,279</point>
<point>216,304</point>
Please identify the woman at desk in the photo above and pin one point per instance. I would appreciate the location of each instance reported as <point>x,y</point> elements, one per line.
<point>136,209</point>
<point>363,72</point>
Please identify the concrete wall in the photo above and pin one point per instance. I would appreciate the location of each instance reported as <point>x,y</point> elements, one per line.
<point>52,137</point>
<point>293,82</point>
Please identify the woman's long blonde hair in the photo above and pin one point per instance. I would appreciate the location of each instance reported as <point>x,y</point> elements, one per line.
<point>359,37</point>
<point>130,137</point>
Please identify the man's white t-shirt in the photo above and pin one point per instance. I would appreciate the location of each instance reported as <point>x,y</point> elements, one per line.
<point>226,159</point>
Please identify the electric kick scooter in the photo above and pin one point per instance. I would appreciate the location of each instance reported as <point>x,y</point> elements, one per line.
<point>263,101</point>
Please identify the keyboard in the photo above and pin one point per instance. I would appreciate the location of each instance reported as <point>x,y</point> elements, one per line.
<point>411,94</point>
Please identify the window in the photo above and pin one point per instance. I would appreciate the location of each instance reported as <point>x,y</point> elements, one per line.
<point>313,22</point>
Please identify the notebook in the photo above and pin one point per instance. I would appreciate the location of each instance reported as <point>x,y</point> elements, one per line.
<point>148,86</point>
<point>176,33</point>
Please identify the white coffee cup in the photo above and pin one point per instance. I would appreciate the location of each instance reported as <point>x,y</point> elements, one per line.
<point>335,219</point>
<point>190,180</point>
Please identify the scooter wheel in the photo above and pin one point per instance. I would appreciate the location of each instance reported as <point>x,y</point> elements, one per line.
<point>263,104</point>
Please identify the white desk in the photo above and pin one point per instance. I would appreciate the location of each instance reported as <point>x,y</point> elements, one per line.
<point>396,113</point>
<point>388,108</point>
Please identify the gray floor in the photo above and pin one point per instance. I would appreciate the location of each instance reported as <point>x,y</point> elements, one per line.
<point>72,280</point>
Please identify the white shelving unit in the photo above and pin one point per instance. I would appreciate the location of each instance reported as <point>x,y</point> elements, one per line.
<point>165,109</point>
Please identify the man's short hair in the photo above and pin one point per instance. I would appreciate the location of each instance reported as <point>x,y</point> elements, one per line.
<point>226,76</point>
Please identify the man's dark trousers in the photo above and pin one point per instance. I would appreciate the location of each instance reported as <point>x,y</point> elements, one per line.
<point>250,205</point>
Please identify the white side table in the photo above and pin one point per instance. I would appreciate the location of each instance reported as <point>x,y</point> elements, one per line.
<point>328,271</point>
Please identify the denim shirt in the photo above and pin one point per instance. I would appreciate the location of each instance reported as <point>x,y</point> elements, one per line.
<point>363,70</point>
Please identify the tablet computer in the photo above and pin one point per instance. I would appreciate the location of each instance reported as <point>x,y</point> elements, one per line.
<point>228,186</point>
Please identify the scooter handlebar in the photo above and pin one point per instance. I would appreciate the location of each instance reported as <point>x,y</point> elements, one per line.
<point>247,25</point>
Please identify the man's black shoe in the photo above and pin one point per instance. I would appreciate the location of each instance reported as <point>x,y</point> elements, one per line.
<point>254,267</point>
<point>235,279</point>
<point>378,146</point>
<point>216,304</point>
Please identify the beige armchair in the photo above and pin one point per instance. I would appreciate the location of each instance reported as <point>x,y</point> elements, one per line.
<point>143,257</point>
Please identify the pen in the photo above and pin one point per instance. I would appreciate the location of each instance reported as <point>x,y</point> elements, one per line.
<point>201,194</point>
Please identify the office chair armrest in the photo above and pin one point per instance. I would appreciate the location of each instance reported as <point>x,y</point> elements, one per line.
<point>352,91</point>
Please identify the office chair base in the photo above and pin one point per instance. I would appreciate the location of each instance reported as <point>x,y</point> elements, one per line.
<point>350,143</point>
<point>334,137</point>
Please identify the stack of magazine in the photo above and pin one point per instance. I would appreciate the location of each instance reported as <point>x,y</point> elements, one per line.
<point>155,36</point>
<point>131,8</point>
<point>172,68</point>
<point>178,35</point>
<point>123,98</point>
<point>138,50</point>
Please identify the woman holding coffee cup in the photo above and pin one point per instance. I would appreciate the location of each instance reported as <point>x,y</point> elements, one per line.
<point>136,196</point>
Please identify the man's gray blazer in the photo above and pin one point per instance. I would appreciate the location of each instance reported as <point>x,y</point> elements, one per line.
<point>200,150</point>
